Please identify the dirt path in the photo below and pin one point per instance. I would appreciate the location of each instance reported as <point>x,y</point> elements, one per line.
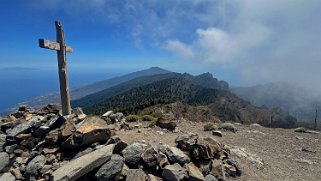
<point>263,153</point>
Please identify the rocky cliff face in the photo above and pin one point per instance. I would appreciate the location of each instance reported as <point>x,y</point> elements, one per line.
<point>43,145</point>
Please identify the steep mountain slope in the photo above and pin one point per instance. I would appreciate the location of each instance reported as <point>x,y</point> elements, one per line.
<point>93,88</point>
<point>120,88</point>
<point>101,85</point>
<point>185,92</point>
<point>206,80</point>
<point>159,92</point>
<point>298,101</point>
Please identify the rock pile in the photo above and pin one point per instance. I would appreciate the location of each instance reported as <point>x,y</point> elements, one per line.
<point>42,145</point>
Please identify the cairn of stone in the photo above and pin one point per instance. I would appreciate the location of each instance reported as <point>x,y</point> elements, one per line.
<point>43,145</point>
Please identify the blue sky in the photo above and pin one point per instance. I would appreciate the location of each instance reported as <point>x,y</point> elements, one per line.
<point>241,41</point>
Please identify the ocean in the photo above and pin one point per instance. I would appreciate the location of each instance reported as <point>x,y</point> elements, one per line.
<point>22,84</point>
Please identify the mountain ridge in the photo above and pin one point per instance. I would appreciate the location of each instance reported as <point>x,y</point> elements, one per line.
<point>191,92</point>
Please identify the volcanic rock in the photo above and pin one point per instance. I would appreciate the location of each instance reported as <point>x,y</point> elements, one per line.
<point>170,125</point>
<point>136,175</point>
<point>4,160</point>
<point>205,166</point>
<point>2,141</point>
<point>23,128</point>
<point>151,157</point>
<point>218,170</point>
<point>16,172</point>
<point>50,108</point>
<point>132,154</point>
<point>35,165</point>
<point>67,129</point>
<point>80,166</point>
<point>110,169</point>
<point>52,137</point>
<point>210,177</point>
<point>232,167</point>
<point>174,173</point>
<point>228,127</point>
<point>90,130</point>
<point>206,148</point>
<point>194,172</point>
<point>175,155</point>
<point>7,177</point>
<point>119,144</point>
<point>186,142</point>
<point>57,122</point>
<point>217,133</point>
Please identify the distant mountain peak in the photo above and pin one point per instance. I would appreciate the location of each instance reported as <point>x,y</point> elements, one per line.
<point>206,75</point>
<point>158,69</point>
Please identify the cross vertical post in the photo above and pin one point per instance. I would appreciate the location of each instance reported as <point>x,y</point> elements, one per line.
<point>63,76</point>
<point>61,49</point>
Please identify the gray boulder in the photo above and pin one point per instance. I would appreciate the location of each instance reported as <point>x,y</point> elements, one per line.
<point>7,177</point>
<point>23,128</point>
<point>217,133</point>
<point>57,122</point>
<point>110,169</point>
<point>228,127</point>
<point>210,177</point>
<point>120,145</point>
<point>135,175</point>
<point>186,142</point>
<point>232,168</point>
<point>80,166</point>
<point>35,165</point>
<point>175,155</point>
<point>174,173</point>
<point>205,166</point>
<point>2,141</point>
<point>132,154</point>
<point>89,131</point>
<point>151,157</point>
<point>194,172</point>
<point>170,125</point>
<point>4,160</point>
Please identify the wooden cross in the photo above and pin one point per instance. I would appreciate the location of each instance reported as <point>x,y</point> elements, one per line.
<point>61,49</point>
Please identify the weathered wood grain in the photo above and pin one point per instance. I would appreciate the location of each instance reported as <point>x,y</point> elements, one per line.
<point>53,45</point>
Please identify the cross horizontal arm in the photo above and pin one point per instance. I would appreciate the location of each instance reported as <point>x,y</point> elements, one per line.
<point>52,45</point>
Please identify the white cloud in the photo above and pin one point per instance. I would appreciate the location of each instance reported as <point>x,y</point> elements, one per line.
<point>214,45</point>
<point>179,48</point>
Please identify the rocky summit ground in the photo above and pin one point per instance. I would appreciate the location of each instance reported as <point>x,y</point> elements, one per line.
<point>43,145</point>
<point>263,153</point>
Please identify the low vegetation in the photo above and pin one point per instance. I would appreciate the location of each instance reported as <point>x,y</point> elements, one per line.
<point>209,127</point>
<point>152,123</point>
<point>300,130</point>
<point>148,118</point>
<point>132,118</point>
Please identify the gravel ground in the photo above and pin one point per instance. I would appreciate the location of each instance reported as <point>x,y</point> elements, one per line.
<point>263,153</point>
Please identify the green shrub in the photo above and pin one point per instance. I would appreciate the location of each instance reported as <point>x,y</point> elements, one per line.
<point>148,118</point>
<point>209,127</point>
<point>132,118</point>
<point>157,114</point>
<point>300,130</point>
<point>152,123</point>
<point>145,112</point>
